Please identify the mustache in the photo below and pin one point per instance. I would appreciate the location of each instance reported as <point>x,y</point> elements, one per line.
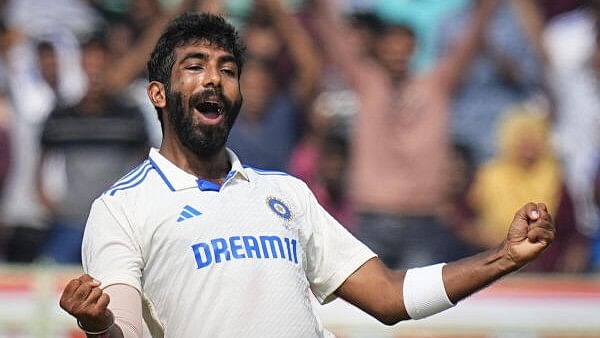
<point>210,94</point>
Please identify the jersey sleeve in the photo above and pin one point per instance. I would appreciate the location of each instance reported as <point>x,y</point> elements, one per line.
<point>110,251</point>
<point>332,252</point>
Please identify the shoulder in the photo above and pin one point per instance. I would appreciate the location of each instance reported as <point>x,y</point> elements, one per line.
<point>279,179</point>
<point>142,182</point>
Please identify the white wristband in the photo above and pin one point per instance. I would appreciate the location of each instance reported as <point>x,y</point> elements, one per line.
<point>424,292</point>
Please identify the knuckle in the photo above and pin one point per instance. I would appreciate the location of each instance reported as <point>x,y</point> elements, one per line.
<point>95,312</point>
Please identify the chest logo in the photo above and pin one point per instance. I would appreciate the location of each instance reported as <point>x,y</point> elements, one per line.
<point>279,208</point>
<point>187,213</point>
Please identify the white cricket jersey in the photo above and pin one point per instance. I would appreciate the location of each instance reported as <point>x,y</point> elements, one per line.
<point>239,260</point>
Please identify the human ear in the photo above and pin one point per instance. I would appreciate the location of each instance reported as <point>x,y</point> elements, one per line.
<point>157,94</point>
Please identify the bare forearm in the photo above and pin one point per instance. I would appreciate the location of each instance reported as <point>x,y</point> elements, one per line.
<point>452,66</point>
<point>302,49</point>
<point>532,22</point>
<point>466,276</point>
<point>417,293</point>
<point>334,32</point>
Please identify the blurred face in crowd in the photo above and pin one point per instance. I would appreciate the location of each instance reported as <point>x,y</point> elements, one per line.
<point>523,138</point>
<point>364,28</point>
<point>530,150</point>
<point>394,51</point>
<point>258,85</point>
<point>204,97</point>
<point>93,63</point>
<point>120,39</point>
<point>262,42</point>
<point>143,11</point>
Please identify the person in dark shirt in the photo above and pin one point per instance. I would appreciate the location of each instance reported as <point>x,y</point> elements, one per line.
<point>94,142</point>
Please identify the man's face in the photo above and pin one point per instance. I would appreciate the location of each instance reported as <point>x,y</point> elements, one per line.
<point>394,51</point>
<point>204,98</point>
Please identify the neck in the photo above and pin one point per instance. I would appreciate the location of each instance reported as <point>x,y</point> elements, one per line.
<point>212,168</point>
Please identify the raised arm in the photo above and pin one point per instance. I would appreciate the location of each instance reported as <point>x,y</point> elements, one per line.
<point>392,296</point>
<point>302,50</point>
<point>132,64</point>
<point>454,63</point>
<point>532,22</point>
<point>334,34</point>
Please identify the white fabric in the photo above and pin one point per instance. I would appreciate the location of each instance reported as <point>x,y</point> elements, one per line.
<point>424,292</point>
<point>198,271</point>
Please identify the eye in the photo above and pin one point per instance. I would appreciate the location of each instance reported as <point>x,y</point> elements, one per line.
<point>194,67</point>
<point>228,71</point>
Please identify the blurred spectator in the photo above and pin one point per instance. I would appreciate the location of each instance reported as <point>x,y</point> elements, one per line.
<point>526,169</point>
<point>304,160</point>
<point>37,18</point>
<point>5,155</point>
<point>504,72</point>
<point>40,74</point>
<point>400,139</point>
<point>130,39</point>
<point>455,212</point>
<point>363,28</point>
<point>571,42</point>
<point>321,160</point>
<point>595,257</point>
<point>98,140</point>
<point>424,17</point>
<point>330,183</point>
<point>267,127</point>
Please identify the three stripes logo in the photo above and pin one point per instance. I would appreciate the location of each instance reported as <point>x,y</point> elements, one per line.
<point>187,213</point>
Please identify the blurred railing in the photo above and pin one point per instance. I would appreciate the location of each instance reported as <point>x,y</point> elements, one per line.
<point>518,306</point>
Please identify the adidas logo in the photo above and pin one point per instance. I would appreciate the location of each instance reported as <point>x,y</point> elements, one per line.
<point>187,213</point>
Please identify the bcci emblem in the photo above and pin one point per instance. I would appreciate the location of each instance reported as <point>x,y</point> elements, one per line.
<point>279,208</point>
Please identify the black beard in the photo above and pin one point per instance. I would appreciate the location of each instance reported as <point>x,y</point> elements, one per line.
<point>204,141</point>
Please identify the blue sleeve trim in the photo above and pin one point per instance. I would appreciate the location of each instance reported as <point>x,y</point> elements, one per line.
<point>133,184</point>
<point>138,171</point>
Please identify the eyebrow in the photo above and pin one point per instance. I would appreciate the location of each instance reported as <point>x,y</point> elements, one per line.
<point>227,58</point>
<point>194,55</point>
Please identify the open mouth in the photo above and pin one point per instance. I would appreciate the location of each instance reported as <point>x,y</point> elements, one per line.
<point>210,110</point>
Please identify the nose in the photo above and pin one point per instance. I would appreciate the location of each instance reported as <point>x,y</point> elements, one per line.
<point>212,77</point>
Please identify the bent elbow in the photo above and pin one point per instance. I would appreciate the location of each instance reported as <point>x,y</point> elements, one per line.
<point>391,319</point>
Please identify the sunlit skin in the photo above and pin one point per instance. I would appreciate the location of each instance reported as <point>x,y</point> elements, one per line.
<point>201,73</point>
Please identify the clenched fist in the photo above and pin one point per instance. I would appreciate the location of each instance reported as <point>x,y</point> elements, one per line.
<point>84,299</point>
<point>530,232</point>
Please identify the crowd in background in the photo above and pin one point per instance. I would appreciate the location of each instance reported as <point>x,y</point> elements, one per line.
<point>421,125</point>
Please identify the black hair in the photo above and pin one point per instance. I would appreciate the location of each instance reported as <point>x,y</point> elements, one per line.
<point>45,46</point>
<point>190,28</point>
<point>368,20</point>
